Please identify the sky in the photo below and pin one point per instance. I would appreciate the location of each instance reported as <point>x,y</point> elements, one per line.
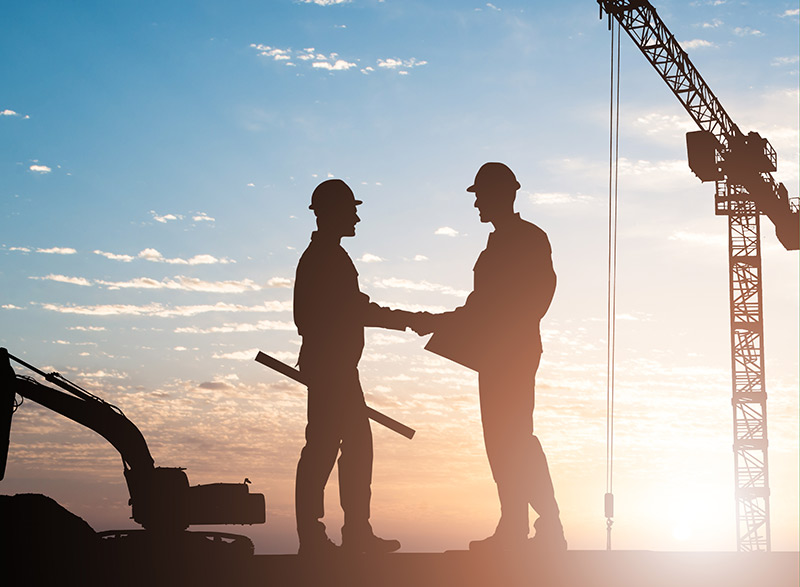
<point>156,165</point>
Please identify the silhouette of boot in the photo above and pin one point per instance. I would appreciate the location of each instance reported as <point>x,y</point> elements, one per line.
<point>503,540</point>
<point>363,541</point>
<point>549,536</point>
<point>318,548</point>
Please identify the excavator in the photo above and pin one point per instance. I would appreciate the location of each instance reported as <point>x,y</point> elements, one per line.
<point>161,499</point>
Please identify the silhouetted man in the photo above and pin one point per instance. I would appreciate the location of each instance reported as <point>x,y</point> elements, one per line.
<point>496,332</point>
<point>330,313</point>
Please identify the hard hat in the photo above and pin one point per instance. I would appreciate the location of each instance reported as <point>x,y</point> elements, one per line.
<point>332,194</point>
<point>494,176</point>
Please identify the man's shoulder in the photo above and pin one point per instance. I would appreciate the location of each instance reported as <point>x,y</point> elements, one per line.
<point>325,257</point>
<point>530,232</point>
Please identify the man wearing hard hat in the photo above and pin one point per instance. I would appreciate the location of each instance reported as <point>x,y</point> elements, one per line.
<point>330,313</point>
<point>496,332</point>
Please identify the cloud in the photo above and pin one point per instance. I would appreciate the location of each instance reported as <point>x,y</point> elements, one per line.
<point>215,385</point>
<point>778,61</point>
<point>332,61</point>
<point>280,282</point>
<point>325,2</point>
<point>162,311</point>
<point>65,279</point>
<point>11,307</point>
<point>558,198</point>
<point>260,326</point>
<point>492,6</point>
<point>659,124</point>
<point>370,258</point>
<point>57,251</point>
<point>791,12</point>
<point>202,217</point>
<point>695,238</point>
<point>155,256</point>
<point>393,63</point>
<point>8,112</point>
<point>184,283</point>
<point>446,231</point>
<point>420,258</point>
<point>114,256</point>
<point>697,44</point>
<point>715,23</point>
<point>338,65</point>
<point>87,328</point>
<point>407,284</point>
<point>747,32</point>
<point>40,169</point>
<point>166,217</point>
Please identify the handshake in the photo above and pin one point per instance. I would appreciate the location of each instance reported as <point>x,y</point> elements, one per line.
<point>422,322</point>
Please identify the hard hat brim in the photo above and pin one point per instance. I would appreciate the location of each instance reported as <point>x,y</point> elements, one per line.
<point>356,202</point>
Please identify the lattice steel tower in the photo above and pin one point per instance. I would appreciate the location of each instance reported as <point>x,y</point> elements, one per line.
<point>741,165</point>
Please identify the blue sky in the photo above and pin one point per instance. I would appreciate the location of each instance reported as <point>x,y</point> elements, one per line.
<point>157,161</point>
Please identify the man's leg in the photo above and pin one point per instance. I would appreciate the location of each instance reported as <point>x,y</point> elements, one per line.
<point>316,462</point>
<point>355,477</point>
<point>506,414</point>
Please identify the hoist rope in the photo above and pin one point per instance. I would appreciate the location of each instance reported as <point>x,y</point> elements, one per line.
<point>613,207</point>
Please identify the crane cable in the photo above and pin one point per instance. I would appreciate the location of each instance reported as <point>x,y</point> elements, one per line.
<point>613,184</point>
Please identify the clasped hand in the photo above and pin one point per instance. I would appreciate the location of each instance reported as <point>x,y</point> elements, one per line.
<point>422,322</point>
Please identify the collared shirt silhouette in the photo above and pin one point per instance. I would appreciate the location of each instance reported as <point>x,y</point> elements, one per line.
<point>331,312</point>
<point>496,332</point>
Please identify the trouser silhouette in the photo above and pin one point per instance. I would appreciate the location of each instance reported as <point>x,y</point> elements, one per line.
<point>516,458</point>
<point>337,423</point>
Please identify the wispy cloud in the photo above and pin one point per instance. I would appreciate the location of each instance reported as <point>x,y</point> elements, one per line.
<point>57,251</point>
<point>203,259</point>
<point>114,256</point>
<point>202,217</point>
<point>747,32</point>
<point>184,283</point>
<point>163,219</point>
<point>697,44</point>
<point>715,23</point>
<point>407,284</point>
<point>42,169</point>
<point>65,279</point>
<point>401,65</point>
<point>370,258</point>
<point>279,282</point>
<point>337,65</point>
<point>780,61</point>
<point>791,12</point>
<point>558,198</point>
<point>155,256</point>
<point>164,311</point>
<point>446,231</point>
<point>696,238</point>
<point>8,112</point>
<point>260,326</point>
<point>332,61</point>
<point>325,2</point>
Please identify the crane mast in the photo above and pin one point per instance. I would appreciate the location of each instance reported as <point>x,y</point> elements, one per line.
<point>741,167</point>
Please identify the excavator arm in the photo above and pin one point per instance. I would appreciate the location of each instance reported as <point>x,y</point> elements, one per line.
<point>161,498</point>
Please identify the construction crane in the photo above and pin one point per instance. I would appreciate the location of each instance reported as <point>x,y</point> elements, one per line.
<point>741,165</point>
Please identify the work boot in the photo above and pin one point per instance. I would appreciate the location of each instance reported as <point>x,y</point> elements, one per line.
<point>499,542</point>
<point>365,542</point>
<point>318,548</point>
<point>549,537</point>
